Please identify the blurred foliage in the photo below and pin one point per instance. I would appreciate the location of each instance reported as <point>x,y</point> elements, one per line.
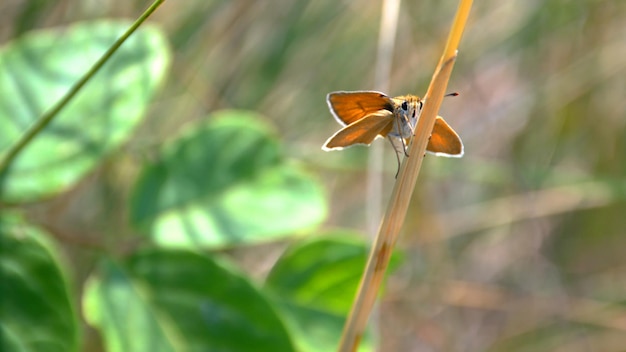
<point>204,134</point>
<point>37,313</point>
<point>96,122</point>
<point>224,182</point>
<point>176,300</point>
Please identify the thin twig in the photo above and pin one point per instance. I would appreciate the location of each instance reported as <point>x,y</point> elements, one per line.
<point>382,74</point>
<point>384,59</point>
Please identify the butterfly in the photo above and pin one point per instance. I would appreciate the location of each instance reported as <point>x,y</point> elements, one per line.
<point>367,115</point>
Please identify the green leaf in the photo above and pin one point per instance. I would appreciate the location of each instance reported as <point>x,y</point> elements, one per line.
<point>224,182</point>
<point>179,300</point>
<point>314,284</point>
<point>38,69</point>
<point>37,312</point>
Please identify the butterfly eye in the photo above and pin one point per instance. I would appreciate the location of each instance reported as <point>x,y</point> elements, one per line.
<point>405,106</point>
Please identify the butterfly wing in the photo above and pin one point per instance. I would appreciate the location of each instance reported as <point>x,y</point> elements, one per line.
<point>363,131</point>
<point>349,107</point>
<point>444,141</point>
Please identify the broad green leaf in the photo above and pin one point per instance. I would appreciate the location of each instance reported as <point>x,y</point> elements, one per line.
<point>37,312</point>
<point>224,182</point>
<point>314,284</point>
<point>119,306</point>
<point>178,300</point>
<point>37,69</point>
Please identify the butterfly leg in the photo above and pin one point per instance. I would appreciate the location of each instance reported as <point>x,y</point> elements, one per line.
<point>397,152</point>
<point>404,144</point>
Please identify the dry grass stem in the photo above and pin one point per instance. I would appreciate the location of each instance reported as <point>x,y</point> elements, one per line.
<point>403,189</point>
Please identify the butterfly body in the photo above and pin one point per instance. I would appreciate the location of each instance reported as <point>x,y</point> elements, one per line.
<point>406,111</point>
<point>367,115</point>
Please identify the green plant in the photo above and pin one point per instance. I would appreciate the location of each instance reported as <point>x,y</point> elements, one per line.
<point>220,183</point>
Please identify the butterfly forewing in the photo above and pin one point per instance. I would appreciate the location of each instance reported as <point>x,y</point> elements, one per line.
<point>349,107</point>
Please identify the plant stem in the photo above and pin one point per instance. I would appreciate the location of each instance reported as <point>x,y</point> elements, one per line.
<point>393,220</point>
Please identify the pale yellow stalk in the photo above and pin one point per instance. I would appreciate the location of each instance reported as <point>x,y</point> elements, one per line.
<point>403,189</point>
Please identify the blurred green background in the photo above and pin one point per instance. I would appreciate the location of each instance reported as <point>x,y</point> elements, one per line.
<point>183,201</point>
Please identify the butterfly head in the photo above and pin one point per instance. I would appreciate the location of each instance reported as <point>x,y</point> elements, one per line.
<point>406,110</point>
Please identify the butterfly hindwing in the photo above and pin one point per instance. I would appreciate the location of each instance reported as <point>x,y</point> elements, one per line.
<point>363,131</point>
<point>444,141</point>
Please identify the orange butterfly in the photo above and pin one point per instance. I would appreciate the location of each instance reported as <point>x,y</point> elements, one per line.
<point>366,115</point>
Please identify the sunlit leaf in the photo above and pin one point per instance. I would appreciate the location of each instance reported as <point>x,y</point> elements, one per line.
<point>39,68</point>
<point>183,301</point>
<point>314,283</point>
<point>224,182</point>
<point>37,312</point>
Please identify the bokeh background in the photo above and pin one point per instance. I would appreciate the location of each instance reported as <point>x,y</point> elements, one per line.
<point>518,246</point>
